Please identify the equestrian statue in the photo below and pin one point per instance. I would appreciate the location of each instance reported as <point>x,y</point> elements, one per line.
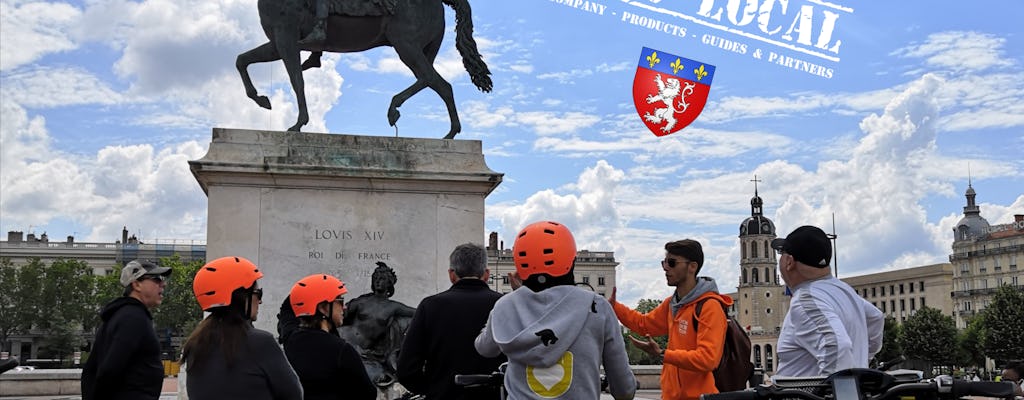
<point>414,28</point>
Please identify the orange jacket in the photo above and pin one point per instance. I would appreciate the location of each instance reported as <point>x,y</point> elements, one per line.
<point>691,356</point>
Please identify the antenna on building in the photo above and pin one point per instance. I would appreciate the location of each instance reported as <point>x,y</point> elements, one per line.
<point>835,254</point>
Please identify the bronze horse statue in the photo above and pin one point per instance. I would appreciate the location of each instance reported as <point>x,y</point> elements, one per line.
<point>414,28</point>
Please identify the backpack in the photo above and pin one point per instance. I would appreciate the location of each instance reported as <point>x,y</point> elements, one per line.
<point>735,368</point>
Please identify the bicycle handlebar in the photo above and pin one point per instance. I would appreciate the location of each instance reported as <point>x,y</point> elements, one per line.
<point>494,379</point>
<point>943,386</point>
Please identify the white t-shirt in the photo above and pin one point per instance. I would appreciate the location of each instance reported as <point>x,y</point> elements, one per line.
<point>829,328</point>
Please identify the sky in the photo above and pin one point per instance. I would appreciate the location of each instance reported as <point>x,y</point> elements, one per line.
<point>876,113</point>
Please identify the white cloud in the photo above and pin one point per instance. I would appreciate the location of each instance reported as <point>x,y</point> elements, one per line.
<point>150,190</point>
<point>61,86</point>
<point>31,30</point>
<point>959,51</point>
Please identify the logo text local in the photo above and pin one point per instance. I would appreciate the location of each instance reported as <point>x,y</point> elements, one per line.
<point>810,24</point>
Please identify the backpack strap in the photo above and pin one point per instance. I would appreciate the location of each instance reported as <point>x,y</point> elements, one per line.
<point>696,313</point>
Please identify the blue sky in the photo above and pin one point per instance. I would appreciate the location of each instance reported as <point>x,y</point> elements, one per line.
<point>104,101</point>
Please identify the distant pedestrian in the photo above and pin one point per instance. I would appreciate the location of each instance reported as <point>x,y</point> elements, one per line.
<point>125,358</point>
<point>225,357</point>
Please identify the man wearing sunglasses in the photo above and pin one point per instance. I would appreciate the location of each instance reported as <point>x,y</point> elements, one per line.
<point>692,354</point>
<point>829,327</point>
<point>125,358</point>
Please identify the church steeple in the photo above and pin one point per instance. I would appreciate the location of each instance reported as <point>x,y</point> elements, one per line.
<point>755,202</point>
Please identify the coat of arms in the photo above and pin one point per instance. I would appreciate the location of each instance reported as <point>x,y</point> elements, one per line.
<point>669,91</point>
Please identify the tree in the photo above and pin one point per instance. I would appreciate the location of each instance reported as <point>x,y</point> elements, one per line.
<point>8,300</point>
<point>65,293</point>
<point>28,295</point>
<point>969,344</point>
<point>637,356</point>
<point>931,336</point>
<point>1003,324</point>
<point>890,341</point>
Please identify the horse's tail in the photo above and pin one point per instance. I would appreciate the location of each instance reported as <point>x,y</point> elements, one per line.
<point>471,59</point>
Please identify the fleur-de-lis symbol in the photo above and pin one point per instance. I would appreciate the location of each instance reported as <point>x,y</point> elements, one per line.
<point>676,66</point>
<point>653,58</point>
<point>700,72</point>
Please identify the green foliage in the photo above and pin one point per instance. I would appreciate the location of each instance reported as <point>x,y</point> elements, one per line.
<point>1003,324</point>
<point>637,356</point>
<point>931,336</point>
<point>8,300</point>
<point>890,341</point>
<point>65,293</point>
<point>969,344</point>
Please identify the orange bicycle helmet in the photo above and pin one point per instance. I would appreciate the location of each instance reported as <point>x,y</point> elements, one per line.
<point>312,290</point>
<point>544,247</point>
<point>215,281</point>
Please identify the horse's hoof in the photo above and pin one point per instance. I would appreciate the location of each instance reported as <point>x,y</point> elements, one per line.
<point>263,101</point>
<point>392,116</point>
<point>295,128</point>
<point>311,62</point>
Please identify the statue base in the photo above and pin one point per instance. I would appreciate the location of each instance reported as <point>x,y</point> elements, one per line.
<point>303,203</point>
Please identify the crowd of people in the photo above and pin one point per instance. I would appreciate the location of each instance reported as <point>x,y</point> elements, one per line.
<point>555,337</point>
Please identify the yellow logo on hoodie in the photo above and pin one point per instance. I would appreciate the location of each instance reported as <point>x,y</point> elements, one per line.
<point>552,381</point>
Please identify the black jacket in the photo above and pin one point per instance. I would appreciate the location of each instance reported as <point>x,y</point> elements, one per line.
<point>328,367</point>
<point>125,358</point>
<point>439,342</point>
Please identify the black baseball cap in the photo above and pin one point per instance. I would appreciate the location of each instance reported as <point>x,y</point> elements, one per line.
<point>808,245</point>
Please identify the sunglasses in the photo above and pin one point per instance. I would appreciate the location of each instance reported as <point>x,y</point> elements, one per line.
<point>155,278</point>
<point>258,293</point>
<point>671,262</point>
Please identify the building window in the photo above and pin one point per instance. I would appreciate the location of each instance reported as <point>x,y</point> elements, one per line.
<point>892,290</point>
<point>766,249</point>
<point>1013,261</point>
<point>911,287</point>
<point>768,358</point>
<point>873,292</point>
<point>600,281</point>
<point>995,265</point>
<point>1014,280</point>
<point>920,286</point>
<point>984,284</point>
<point>922,302</point>
<point>903,305</point>
<point>999,281</point>
<point>586,279</point>
<point>913,304</point>
<point>883,306</point>
<point>883,291</point>
<point>743,251</point>
<point>892,305</point>
<point>981,267</point>
<point>504,279</point>
<point>753,251</point>
<point>767,276</point>
<point>767,294</point>
<point>963,269</point>
<point>901,288</point>
<point>744,275</point>
<point>755,275</point>
<point>768,311</point>
<point>757,356</point>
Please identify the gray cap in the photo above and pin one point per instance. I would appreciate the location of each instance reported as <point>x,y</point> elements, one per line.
<point>137,268</point>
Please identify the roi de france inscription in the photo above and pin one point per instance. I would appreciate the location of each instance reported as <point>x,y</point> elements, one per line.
<point>352,250</point>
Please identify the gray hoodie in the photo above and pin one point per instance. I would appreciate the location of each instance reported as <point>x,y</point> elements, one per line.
<point>556,341</point>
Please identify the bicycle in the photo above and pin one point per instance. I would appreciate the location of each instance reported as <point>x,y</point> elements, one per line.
<point>869,384</point>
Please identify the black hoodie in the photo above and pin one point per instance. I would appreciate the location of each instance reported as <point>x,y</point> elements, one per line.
<point>125,358</point>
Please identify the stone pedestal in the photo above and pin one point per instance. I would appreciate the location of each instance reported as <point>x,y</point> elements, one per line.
<point>303,203</point>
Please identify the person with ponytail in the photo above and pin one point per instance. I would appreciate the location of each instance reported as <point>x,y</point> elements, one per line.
<point>225,356</point>
<point>328,367</point>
